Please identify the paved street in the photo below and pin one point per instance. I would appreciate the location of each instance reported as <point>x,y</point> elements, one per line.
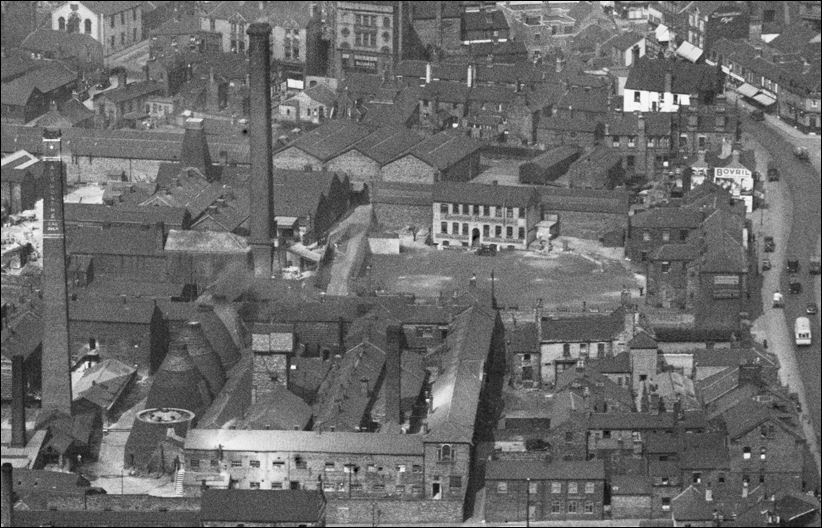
<point>792,218</point>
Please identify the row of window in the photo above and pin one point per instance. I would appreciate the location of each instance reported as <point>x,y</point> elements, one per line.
<point>556,487</point>
<point>666,235</point>
<point>652,142</point>
<point>61,25</point>
<point>583,349</point>
<point>123,38</point>
<point>300,463</point>
<point>482,210</point>
<point>113,18</point>
<point>660,97</point>
<point>486,230</point>
<point>371,21</point>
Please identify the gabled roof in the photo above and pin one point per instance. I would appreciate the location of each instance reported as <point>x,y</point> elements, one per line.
<point>476,193</point>
<point>642,340</point>
<point>322,94</point>
<point>330,139</point>
<point>50,40</point>
<point>445,149</point>
<point>305,441</point>
<point>46,78</point>
<point>667,217</point>
<point>649,75</point>
<point>114,241</point>
<point>619,364</point>
<point>748,415</point>
<point>278,409</point>
<point>110,8</point>
<point>131,91</point>
<point>624,41</point>
<point>388,143</point>
<point>560,470</point>
<point>690,505</point>
<point>288,507</point>
<point>456,391</point>
<point>631,421</point>
<point>301,193</point>
<point>484,21</point>
<point>668,252</point>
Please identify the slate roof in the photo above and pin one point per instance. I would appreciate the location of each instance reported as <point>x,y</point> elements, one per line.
<point>113,241</point>
<point>690,505</point>
<point>618,364</point>
<point>103,383</point>
<point>586,100</point>
<point>445,149</point>
<point>305,441</point>
<point>567,124</point>
<point>122,144</point>
<point>278,409</point>
<point>454,92</point>
<point>322,94</point>
<point>131,91</point>
<point>475,193</point>
<point>111,311</point>
<point>110,8</point>
<point>649,75</point>
<point>523,338</point>
<point>330,139</point>
<point>107,519</point>
<point>456,391</point>
<point>300,195</point>
<point>591,328</point>
<point>560,470</point>
<point>642,340</point>
<point>630,421</point>
<point>290,507</point>
<point>124,214</point>
<point>487,21</point>
<point>23,336</point>
<point>401,193</point>
<point>388,143</point>
<point>45,78</point>
<point>624,41</point>
<point>556,155</point>
<point>206,242</point>
<point>627,124</point>
<point>428,10</point>
<point>667,217</point>
<point>585,200</point>
<point>748,415</point>
<point>724,254</point>
<point>50,40</point>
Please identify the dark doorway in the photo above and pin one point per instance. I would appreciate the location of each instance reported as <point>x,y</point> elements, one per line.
<point>295,485</point>
<point>475,237</point>
<point>436,490</point>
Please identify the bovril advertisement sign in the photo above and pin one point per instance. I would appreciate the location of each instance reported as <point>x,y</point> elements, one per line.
<point>739,176</point>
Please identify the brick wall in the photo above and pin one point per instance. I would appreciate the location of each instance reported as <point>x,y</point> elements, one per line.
<point>360,168</point>
<point>85,169</point>
<point>136,502</point>
<point>398,216</point>
<point>392,512</point>
<point>588,225</point>
<point>409,169</point>
<point>631,506</point>
<point>440,472</point>
<point>130,343</point>
<point>295,159</point>
<point>503,504</point>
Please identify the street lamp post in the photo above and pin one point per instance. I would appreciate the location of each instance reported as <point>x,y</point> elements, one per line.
<point>527,502</point>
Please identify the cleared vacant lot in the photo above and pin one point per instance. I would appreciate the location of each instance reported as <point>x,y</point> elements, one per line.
<point>561,279</point>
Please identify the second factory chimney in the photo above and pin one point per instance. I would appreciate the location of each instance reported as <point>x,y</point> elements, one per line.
<point>261,223</point>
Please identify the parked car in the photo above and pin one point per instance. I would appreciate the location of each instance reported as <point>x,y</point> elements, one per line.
<point>487,251</point>
<point>794,286</point>
<point>778,300</point>
<point>766,264</point>
<point>773,172</point>
<point>770,245</point>
<point>814,265</point>
<point>802,153</point>
<point>812,309</point>
<point>793,265</point>
<point>757,115</point>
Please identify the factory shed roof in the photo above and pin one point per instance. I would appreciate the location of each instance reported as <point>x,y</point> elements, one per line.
<point>206,242</point>
<point>304,441</point>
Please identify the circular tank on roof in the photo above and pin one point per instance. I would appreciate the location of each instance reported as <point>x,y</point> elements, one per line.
<point>166,415</point>
<point>203,355</point>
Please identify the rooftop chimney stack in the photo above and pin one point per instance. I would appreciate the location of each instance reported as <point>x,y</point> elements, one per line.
<point>195,149</point>
<point>393,373</point>
<point>261,161</point>
<point>669,80</point>
<point>18,395</point>
<point>7,486</point>
<point>56,355</point>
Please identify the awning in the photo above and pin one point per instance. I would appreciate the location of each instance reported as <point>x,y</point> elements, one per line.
<point>764,100</point>
<point>689,51</point>
<point>662,33</point>
<point>747,90</point>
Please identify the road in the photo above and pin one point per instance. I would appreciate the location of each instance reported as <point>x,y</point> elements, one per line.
<point>794,217</point>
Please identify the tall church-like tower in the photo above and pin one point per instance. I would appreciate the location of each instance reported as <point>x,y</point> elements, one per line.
<point>56,354</point>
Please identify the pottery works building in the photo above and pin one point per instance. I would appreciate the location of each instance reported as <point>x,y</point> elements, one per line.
<point>474,214</point>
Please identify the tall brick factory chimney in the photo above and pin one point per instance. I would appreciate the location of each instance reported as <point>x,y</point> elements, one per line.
<point>195,148</point>
<point>18,410</point>
<point>7,490</point>
<point>262,175</point>
<point>393,373</point>
<point>56,393</point>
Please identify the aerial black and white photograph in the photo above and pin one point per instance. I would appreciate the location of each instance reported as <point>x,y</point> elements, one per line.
<point>411,263</point>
